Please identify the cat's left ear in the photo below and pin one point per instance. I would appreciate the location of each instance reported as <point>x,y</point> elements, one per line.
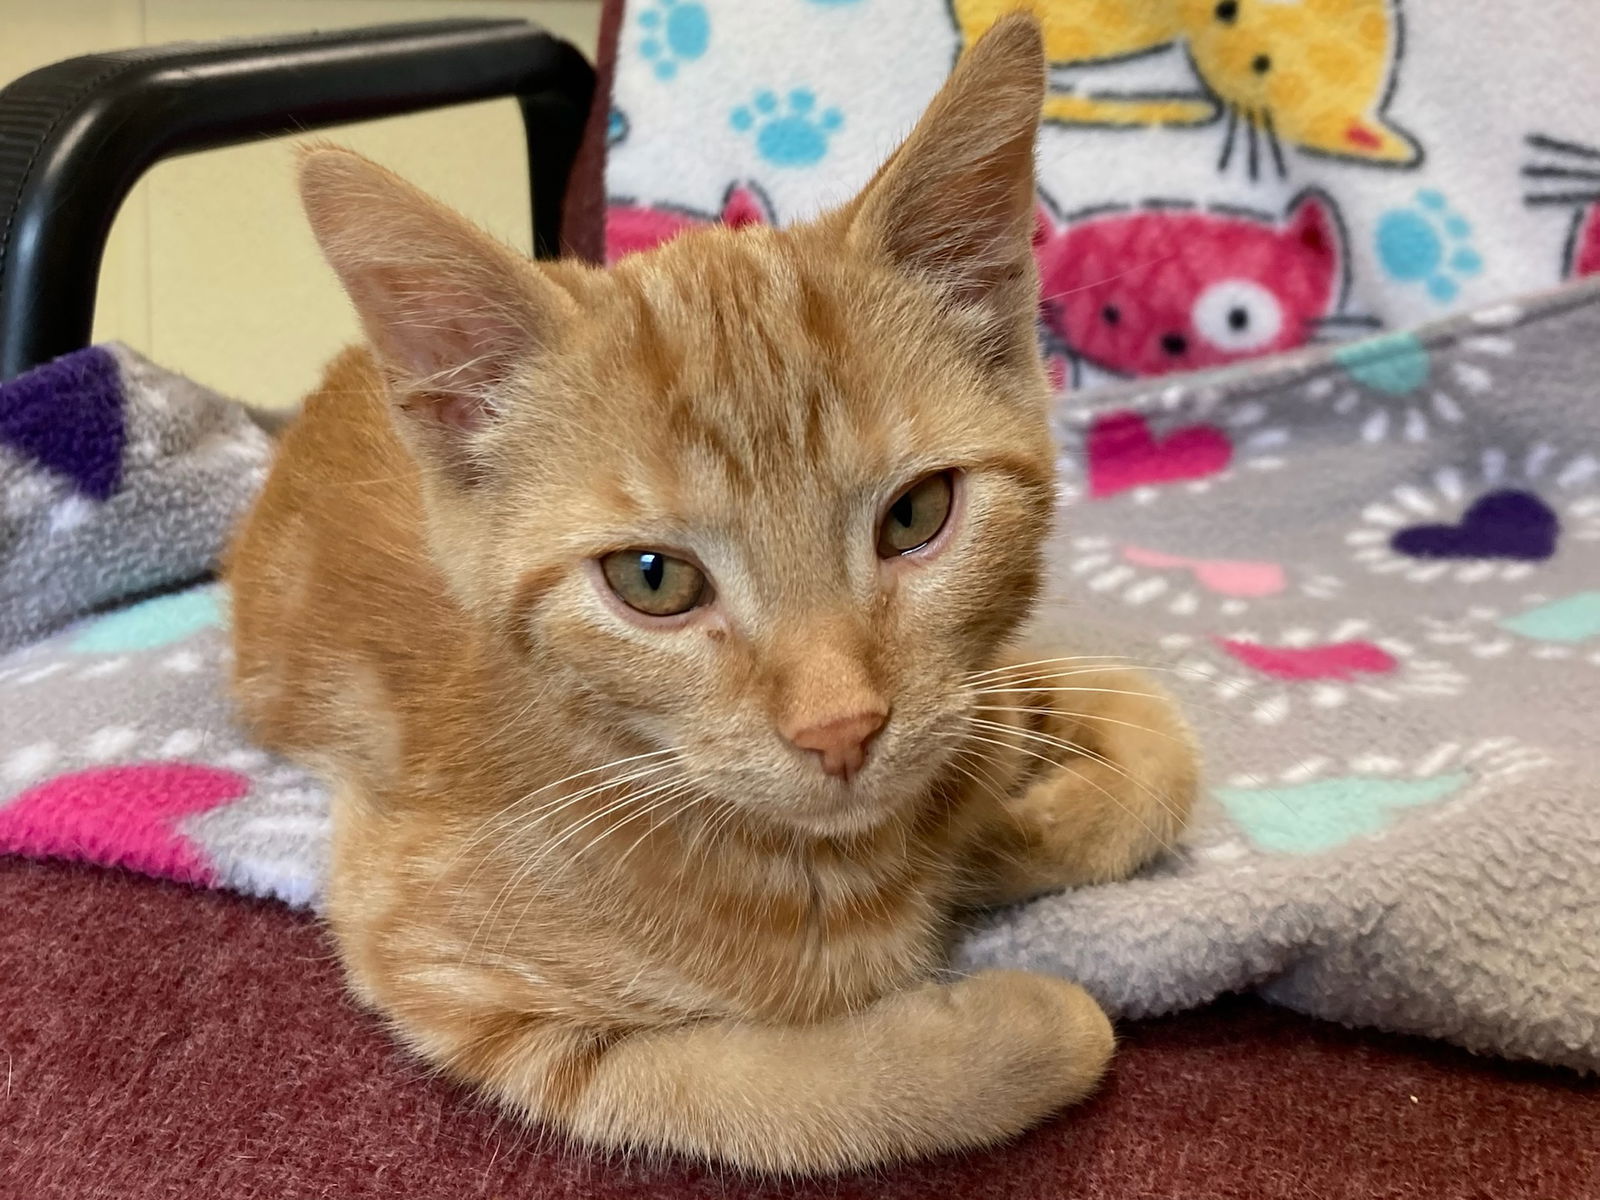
<point>1369,139</point>
<point>954,206</point>
<point>451,314</point>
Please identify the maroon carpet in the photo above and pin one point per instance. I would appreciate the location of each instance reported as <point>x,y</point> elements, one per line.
<point>161,1042</point>
<point>583,220</point>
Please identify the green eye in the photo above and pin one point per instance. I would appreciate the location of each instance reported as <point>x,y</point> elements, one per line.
<point>654,583</point>
<point>916,516</point>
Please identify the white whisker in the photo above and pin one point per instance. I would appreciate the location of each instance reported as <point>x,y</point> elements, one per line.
<point>1084,751</point>
<point>1072,715</point>
<point>1065,767</point>
<point>1040,662</point>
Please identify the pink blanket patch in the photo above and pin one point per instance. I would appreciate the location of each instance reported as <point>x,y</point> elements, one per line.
<point>631,228</point>
<point>1586,244</point>
<point>1336,660</point>
<point>1124,454</point>
<point>121,817</point>
<point>1220,576</point>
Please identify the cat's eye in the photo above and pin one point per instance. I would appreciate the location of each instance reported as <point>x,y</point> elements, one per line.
<point>917,515</point>
<point>653,583</point>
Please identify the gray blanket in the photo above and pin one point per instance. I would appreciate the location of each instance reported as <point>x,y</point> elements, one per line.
<point>1372,572</point>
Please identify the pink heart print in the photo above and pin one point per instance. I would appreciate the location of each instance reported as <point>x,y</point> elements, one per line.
<point>1124,454</point>
<point>1336,660</point>
<point>1220,576</point>
<point>121,817</point>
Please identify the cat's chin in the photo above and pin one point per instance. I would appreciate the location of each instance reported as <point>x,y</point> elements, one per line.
<point>844,822</point>
<point>844,810</point>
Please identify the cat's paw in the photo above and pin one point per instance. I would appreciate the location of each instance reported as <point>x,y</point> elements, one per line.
<point>1114,772</point>
<point>1089,821</point>
<point>1050,1022</point>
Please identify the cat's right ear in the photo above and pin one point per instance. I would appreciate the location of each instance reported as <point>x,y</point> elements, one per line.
<point>955,205</point>
<point>451,314</point>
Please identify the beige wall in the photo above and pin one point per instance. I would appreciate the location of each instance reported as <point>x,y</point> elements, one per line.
<point>210,270</point>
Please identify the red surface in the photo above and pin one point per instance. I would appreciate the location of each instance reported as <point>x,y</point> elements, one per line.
<point>631,228</point>
<point>1337,660</point>
<point>161,1042</point>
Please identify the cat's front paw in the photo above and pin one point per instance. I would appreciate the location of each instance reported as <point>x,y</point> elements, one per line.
<point>1039,1034</point>
<point>1113,772</point>
<point>1088,821</point>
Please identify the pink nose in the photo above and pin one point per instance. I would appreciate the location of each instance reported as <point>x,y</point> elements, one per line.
<point>841,743</point>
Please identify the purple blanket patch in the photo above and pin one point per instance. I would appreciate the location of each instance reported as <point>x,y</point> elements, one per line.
<point>1504,524</point>
<point>67,416</point>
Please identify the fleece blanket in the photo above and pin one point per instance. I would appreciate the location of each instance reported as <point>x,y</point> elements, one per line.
<point>1372,573</point>
<point>116,477</point>
<point>1217,181</point>
<point>120,483</point>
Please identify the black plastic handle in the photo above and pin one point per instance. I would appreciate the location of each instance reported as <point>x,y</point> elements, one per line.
<point>75,137</point>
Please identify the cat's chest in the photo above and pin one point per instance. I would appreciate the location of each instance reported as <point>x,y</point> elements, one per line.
<point>827,946</point>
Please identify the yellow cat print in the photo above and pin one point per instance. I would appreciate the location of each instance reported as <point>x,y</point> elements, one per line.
<point>1315,74</point>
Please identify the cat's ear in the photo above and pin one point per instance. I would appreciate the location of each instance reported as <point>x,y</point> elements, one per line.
<point>1312,228</point>
<point>954,205</point>
<point>451,314</point>
<point>1370,139</point>
<point>746,204</point>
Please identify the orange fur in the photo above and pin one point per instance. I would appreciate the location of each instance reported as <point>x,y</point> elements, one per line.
<point>580,859</point>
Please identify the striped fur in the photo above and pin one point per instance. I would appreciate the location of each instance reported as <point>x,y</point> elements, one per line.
<point>575,864</point>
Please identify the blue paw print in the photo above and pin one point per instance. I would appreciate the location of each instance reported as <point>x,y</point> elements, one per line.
<point>1428,243</point>
<point>616,126</point>
<point>676,31</point>
<point>792,134</point>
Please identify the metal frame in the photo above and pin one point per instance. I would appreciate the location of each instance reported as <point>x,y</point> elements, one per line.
<point>76,136</point>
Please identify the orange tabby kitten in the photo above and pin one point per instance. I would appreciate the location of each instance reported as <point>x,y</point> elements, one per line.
<point>651,625</point>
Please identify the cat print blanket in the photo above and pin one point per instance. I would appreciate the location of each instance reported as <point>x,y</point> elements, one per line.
<point>1372,573</point>
<point>1219,179</point>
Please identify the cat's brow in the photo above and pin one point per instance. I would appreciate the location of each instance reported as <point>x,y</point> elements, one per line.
<point>1021,469</point>
<point>652,350</point>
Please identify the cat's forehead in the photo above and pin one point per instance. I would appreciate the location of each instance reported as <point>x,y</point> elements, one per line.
<point>726,309</point>
<point>770,366</point>
<point>771,353</point>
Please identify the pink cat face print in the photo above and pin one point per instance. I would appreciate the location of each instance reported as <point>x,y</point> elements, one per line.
<point>1160,289</point>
